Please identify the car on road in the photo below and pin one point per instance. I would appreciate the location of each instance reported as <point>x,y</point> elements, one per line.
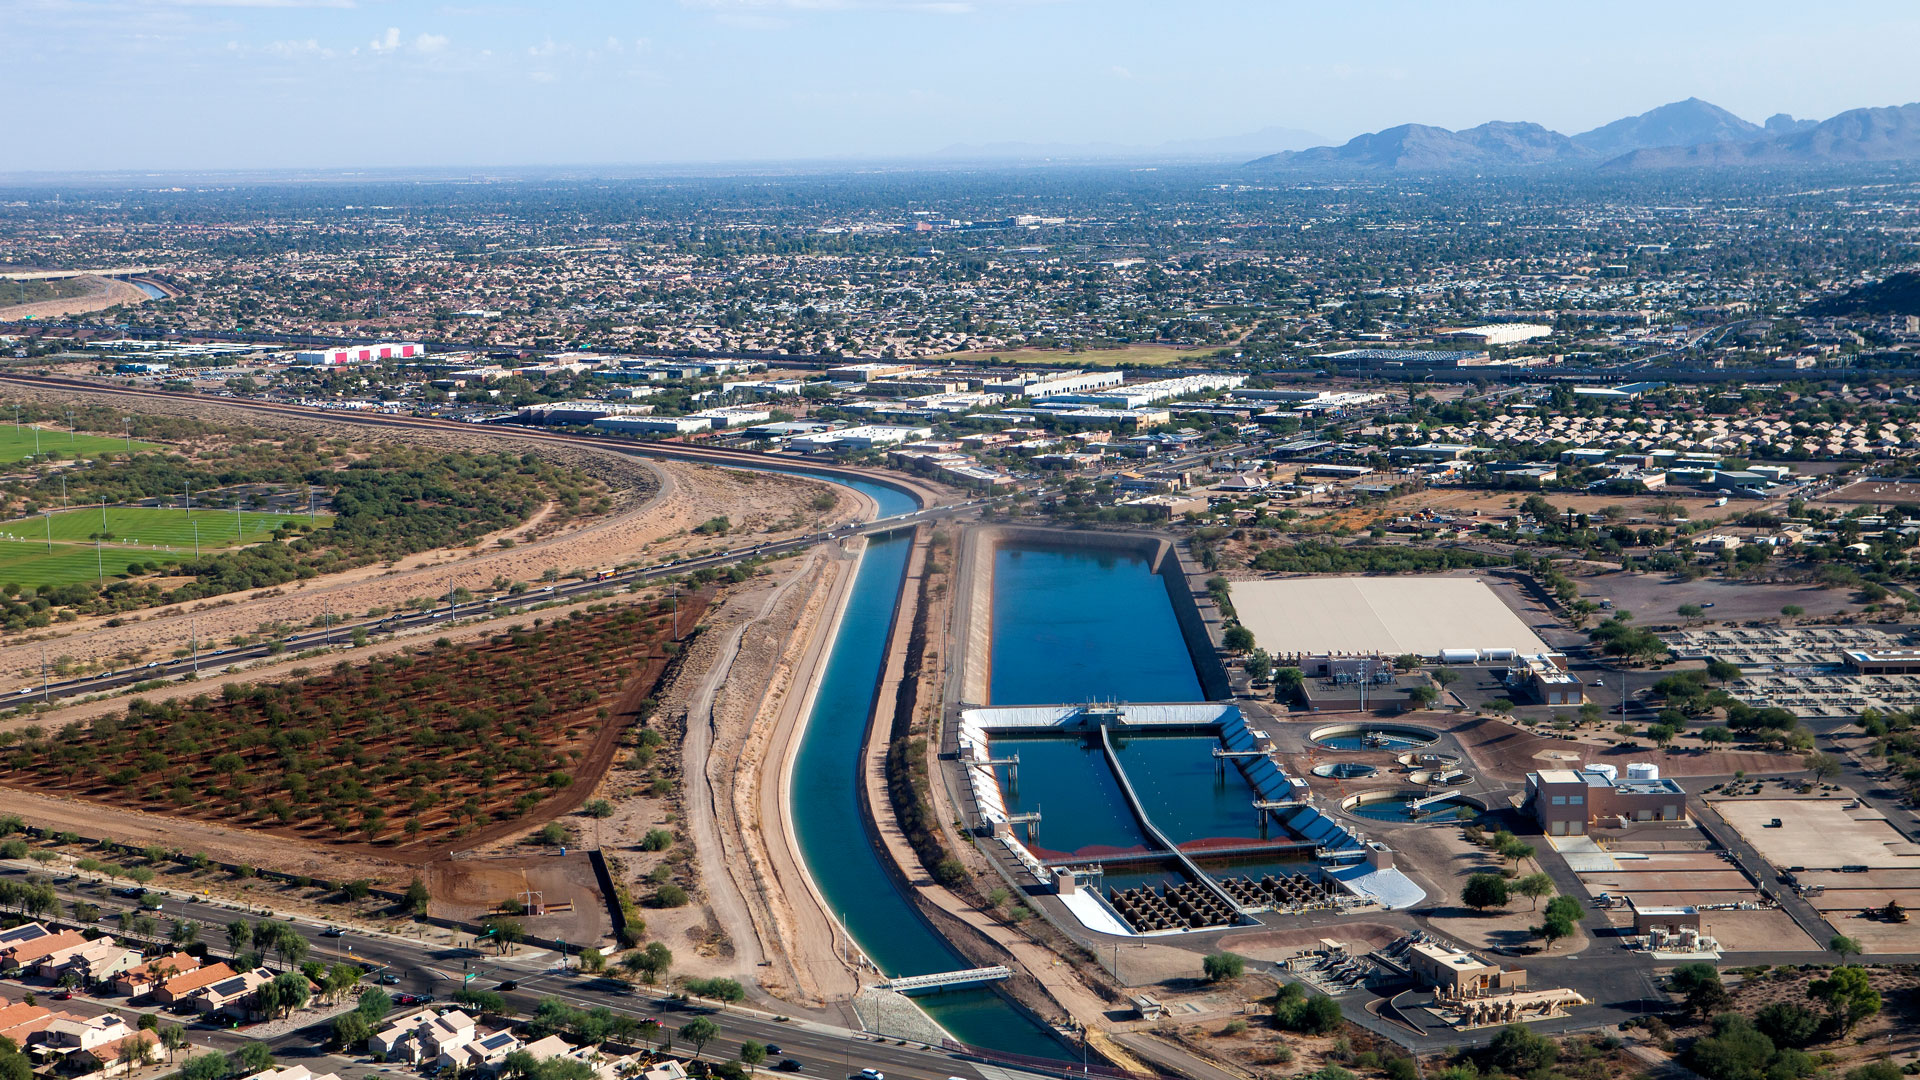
<point>131,892</point>
<point>388,979</point>
<point>407,999</point>
<point>62,995</point>
<point>333,931</point>
<point>508,985</point>
<point>872,1074</point>
<point>788,1065</point>
<point>773,1050</point>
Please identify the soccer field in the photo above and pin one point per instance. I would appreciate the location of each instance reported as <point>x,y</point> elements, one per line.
<point>18,444</point>
<point>132,534</point>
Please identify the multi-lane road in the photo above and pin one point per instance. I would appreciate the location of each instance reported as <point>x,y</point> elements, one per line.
<point>403,965</point>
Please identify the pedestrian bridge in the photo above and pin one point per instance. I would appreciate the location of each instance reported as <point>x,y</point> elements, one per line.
<point>946,980</point>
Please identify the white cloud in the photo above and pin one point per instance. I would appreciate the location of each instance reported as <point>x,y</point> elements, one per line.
<point>387,42</point>
<point>430,43</point>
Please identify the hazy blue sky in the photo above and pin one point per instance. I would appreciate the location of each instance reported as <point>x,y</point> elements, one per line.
<point>161,84</point>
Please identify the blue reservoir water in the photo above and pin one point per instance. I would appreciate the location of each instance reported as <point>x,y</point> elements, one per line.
<point>1089,815</point>
<point>1182,791</point>
<point>827,821</point>
<point>1074,626</point>
<point>154,292</point>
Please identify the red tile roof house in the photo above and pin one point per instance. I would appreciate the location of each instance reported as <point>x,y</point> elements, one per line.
<point>143,978</point>
<point>179,988</point>
<point>99,960</point>
<point>29,954</point>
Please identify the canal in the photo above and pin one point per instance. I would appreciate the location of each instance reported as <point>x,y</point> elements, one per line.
<point>825,808</point>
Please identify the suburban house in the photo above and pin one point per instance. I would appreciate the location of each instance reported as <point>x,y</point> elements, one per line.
<point>13,938</point>
<point>107,1055</point>
<point>424,1036</point>
<point>291,1072</point>
<point>234,996</point>
<point>22,1023</point>
<point>484,1052</point>
<point>96,962</point>
<point>181,987</point>
<point>28,955</point>
<point>142,978</point>
<point>66,1036</point>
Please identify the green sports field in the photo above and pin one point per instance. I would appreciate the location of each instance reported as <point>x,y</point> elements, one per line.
<point>132,534</point>
<point>17,444</point>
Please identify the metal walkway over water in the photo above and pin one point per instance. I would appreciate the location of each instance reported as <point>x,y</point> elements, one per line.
<point>946,980</point>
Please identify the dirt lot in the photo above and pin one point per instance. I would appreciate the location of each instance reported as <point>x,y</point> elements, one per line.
<point>103,293</point>
<point>1874,493</point>
<point>1818,833</point>
<point>1504,749</point>
<point>470,889</point>
<point>1656,598</point>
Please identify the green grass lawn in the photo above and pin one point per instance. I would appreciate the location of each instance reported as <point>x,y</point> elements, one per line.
<point>139,534</point>
<point>17,444</point>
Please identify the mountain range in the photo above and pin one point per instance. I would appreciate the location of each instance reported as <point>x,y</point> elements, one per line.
<point>1685,133</point>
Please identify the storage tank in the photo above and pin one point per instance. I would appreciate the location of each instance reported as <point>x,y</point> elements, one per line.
<point>1459,656</point>
<point>1643,770</point>
<point>1503,654</point>
<point>1611,772</point>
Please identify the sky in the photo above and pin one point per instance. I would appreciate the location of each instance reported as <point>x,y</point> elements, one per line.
<point>335,84</point>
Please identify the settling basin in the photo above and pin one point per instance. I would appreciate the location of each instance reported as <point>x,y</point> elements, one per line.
<point>834,838</point>
<point>1071,624</point>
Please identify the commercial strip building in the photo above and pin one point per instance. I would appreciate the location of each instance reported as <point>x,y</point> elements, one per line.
<point>345,355</point>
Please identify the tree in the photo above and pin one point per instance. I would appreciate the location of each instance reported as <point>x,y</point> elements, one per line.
<point>1517,850</point>
<point>136,1050</point>
<point>1533,887</point>
<point>1423,697</point>
<point>1237,638</point>
<point>183,932</point>
<point>1845,946</point>
<point>205,1067</point>
<point>1566,907</point>
<point>752,1053</point>
<point>250,1058</point>
<point>1223,966</point>
<point>1519,1051</point>
<point>1793,611</point>
<point>1723,671</point>
<point>1709,999</point>
<point>239,936</point>
<point>288,991</point>
<point>350,1030</point>
<point>174,1038</point>
<point>416,898</point>
<point>1295,1010</point>
<point>1788,1023</point>
<point>1823,767</point>
<point>1483,891</point>
<point>1687,976</point>
<point>1553,929</point>
<point>1849,997</point>
<point>699,1031</point>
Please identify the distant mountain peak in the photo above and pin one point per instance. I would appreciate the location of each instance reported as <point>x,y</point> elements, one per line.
<point>1680,123</point>
<point>1498,144</point>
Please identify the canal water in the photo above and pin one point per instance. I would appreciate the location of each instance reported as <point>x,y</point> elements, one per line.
<point>826,814</point>
<point>154,292</point>
<point>1071,625</point>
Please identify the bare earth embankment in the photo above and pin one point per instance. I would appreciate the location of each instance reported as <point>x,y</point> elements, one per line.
<point>102,293</point>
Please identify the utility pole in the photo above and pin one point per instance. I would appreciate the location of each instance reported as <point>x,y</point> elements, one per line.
<point>196,539</point>
<point>194,623</point>
<point>126,425</point>
<point>100,560</point>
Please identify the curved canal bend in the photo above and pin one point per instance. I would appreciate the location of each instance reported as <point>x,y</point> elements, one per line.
<point>825,806</point>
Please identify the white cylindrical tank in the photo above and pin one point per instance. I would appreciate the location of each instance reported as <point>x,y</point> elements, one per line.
<point>1642,770</point>
<point>1611,772</point>
<point>1459,656</point>
<point>1502,654</point>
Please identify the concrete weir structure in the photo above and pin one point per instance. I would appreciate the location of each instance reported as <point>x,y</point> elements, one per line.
<point>974,617</point>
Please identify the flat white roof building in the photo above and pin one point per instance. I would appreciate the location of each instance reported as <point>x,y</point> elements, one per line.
<point>1498,333</point>
<point>1389,616</point>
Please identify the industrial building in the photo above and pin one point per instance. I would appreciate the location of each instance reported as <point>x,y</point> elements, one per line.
<point>1568,802</point>
<point>1383,616</point>
<point>1494,334</point>
<point>359,354</point>
<point>654,425</point>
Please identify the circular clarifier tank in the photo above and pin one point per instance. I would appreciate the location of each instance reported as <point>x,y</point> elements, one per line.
<point>1394,737</point>
<point>1397,806</point>
<point>1344,770</point>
